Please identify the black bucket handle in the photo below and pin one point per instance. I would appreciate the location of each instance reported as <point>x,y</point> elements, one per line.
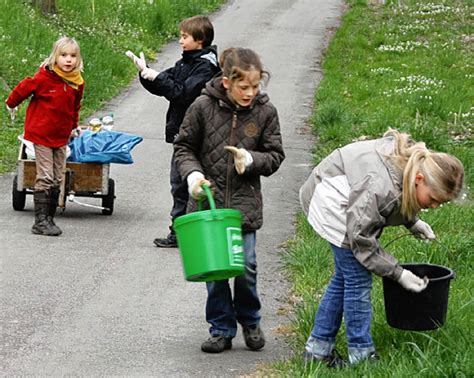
<point>453,276</point>
<point>397,238</point>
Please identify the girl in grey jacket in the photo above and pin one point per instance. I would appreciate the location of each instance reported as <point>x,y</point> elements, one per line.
<point>348,199</point>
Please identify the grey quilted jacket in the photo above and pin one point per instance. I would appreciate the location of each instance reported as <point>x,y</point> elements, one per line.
<point>212,122</point>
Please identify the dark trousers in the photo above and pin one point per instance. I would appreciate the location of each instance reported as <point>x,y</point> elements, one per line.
<point>179,191</point>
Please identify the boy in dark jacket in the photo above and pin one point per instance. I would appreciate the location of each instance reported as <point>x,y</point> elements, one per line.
<point>180,85</point>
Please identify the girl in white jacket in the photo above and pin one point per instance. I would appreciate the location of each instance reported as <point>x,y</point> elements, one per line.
<point>348,199</point>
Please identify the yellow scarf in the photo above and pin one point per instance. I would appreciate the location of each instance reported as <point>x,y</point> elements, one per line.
<point>74,78</point>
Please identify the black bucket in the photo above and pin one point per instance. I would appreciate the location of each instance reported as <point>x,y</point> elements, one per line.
<point>422,311</point>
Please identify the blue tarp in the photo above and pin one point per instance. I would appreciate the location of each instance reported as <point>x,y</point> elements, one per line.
<point>103,147</point>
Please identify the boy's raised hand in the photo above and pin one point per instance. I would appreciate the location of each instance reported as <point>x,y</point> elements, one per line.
<point>149,74</point>
<point>140,63</point>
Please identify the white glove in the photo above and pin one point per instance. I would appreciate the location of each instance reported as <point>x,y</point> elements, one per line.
<point>411,282</point>
<point>242,158</point>
<point>195,181</point>
<point>149,74</point>
<point>12,112</point>
<point>422,230</point>
<point>140,63</point>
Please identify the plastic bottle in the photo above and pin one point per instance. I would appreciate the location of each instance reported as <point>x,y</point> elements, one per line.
<point>95,124</point>
<point>108,122</point>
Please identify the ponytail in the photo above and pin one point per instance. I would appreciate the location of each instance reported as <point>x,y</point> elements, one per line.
<point>410,204</point>
<point>443,173</point>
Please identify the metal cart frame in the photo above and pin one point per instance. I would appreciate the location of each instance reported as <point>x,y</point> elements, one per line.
<point>81,180</point>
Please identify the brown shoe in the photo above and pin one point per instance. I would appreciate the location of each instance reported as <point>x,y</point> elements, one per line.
<point>254,337</point>
<point>216,344</point>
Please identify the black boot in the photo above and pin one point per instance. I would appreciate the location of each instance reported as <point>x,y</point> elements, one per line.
<point>168,242</point>
<point>53,204</point>
<point>42,225</point>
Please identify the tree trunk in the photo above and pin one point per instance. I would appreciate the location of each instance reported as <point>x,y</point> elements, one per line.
<point>46,6</point>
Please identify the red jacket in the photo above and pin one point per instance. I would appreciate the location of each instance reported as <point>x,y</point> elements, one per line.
<point>53,110</point>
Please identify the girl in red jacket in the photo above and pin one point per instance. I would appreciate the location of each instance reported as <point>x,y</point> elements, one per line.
<point>52,114</point>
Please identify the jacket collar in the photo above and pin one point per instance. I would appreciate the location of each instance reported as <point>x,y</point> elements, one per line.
<point>209,53</point>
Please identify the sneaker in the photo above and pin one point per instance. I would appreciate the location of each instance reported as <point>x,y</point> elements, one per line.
<point>216,344</point>
<point>373,357</point>
<point>333,361</point>
<point>168,242</point>
<point>254,338</point>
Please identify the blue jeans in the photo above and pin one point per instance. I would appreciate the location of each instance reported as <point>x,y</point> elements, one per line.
<point>348,295</point>
<point>223,312</point>
<point>179,191</point>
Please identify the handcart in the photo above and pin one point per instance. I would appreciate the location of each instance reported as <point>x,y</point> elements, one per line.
<point>81,180</point>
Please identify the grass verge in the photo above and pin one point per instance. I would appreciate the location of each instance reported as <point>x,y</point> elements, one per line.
<point>406,65</point>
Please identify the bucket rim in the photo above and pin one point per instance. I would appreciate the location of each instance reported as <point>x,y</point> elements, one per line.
<point>451,274</point>
<point>208,215</point>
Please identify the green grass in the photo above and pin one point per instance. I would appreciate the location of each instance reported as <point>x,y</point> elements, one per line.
<point>406,65</point>
<point>105,29</point>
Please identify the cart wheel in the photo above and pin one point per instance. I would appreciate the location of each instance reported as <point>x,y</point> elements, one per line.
<point>18,197</point>
<point>108,200</point>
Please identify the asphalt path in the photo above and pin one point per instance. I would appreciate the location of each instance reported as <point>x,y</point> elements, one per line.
<point>101,299</point>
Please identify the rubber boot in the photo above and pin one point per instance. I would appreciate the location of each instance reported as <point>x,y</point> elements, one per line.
<point>42,225</point>
<point>53,204</point>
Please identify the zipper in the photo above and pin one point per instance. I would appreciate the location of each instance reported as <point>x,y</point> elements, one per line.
<point>257,202</point>
<point>230,159</point>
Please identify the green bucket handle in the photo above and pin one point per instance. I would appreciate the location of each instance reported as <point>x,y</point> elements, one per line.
<point>210,199</point>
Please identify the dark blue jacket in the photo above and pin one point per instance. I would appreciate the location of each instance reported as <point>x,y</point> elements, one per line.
<point>182,84</point>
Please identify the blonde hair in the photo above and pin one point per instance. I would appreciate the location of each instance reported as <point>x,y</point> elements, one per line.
<point>443,173</point>
<point>235,62</point>
<point>59,47</point>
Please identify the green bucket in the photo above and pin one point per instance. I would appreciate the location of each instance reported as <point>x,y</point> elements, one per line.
<point>210,242</point>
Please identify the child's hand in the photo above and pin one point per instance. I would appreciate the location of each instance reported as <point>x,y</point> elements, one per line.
<point>422,230</point>
<point>149,74</point>
<point>242,158</point>
<point>195,181</point>
<point>140,63</point>
<point>196,190</point>
<point>412,282</point>
<point>12,112</point>
<point>76,132</point>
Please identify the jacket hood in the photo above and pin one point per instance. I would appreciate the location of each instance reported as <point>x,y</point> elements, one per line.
<point>214,88</point>
<point>384,148</point>
<point>45,71</point>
